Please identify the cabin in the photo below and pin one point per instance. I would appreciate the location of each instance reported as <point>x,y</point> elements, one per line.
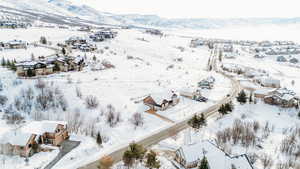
<point>161,101</point>
<point>189,156</point>
<point>48,132</point>
<point>18,143</point>
<point>16,44</point>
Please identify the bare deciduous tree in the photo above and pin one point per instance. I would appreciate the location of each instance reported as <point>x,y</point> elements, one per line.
<point>91,102</point>
<point>137,119</point>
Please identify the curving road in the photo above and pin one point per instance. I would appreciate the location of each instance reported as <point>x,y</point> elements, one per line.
<point>175,128</point>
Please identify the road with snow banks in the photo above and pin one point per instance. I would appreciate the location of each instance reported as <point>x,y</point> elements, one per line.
<point>169,131</point>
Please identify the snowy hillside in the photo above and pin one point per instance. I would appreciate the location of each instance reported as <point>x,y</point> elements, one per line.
<point>66,9</point>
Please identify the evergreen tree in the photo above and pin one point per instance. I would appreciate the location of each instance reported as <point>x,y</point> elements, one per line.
<point>299,114</point>
<point>222,110</point>
<point>204,164</point>
<point>197,121</point>
<point>99,139</point>
<point>134,152</point>
<point>152,161</point>
<point>229,107</point>
<point>13,66</point>
<point>64,52</point>
<point>8,64</point>
<point>251,98</point>
<point>3,62</point>
<point>242,97</point>
<point>43,40</point>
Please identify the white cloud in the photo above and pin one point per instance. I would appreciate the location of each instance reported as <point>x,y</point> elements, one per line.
<point>201,8</point>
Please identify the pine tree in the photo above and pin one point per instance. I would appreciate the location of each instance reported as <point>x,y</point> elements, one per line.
<point>251,98</point>
<point>242,97</point>
<point>3,62</point>
<point>99,139</point>
<point>8,64</point>
<point>134,152</point>
<point>13,66</point>
<point>202,120</point>
<point>152,161</point>
<point>64,52</point>
<point>204,164</point>
<point>222,110</point>
<point>229,107</point>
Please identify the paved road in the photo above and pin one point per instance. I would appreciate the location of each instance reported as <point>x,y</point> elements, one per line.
<point>168,132</point>
<point>66,147</point>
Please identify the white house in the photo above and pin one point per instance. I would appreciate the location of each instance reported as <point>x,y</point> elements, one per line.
<point>189,156</point>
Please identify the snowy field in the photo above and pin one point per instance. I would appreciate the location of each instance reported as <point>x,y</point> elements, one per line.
<point>144,64</point>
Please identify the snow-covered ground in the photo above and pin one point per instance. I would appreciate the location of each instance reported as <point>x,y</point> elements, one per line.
<point>142,67</point>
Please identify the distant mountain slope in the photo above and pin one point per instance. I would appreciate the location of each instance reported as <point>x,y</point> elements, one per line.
<point>68,9</point>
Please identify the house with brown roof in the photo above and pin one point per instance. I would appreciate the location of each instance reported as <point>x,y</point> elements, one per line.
<point>48,132</point>
<point>18,143</point>
<point>161,101</point>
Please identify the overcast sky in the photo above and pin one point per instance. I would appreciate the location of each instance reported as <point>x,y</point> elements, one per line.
<point>201,8</point>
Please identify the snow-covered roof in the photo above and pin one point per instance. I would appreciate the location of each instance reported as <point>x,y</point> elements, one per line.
<point>216,158</point>
<point>17,137</point>
<point>41,127</point>
<point>264,91</point>
<point>159,97</point>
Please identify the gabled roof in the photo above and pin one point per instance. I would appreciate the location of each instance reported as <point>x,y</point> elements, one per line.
<point>216,158</point>
<point>17,137</point>
<point>41,127</point>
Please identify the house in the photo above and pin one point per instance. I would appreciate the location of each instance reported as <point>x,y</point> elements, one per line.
<point>207,83</point>
<point>197,42</point>
<point>265,44</point>
<point>49,66</point>
<point>191,93</point>
<point>33,68</point>
<point>294,60</point>
<point>269,82</point>
<point>190,155</point>
<point>48,132</point>
<point>259,55</point>
<point>161,101</point>
<point>154,32</point>
<point>262,93</point>
<point>281,59</point>
<point>18,143</point>
<point>16,44</point>
<point>228,48</point>
<point>85,29</point>
<point>76,40</point>
<point>106,34</point>
<point>282,97</point>
<point>87,47</point>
